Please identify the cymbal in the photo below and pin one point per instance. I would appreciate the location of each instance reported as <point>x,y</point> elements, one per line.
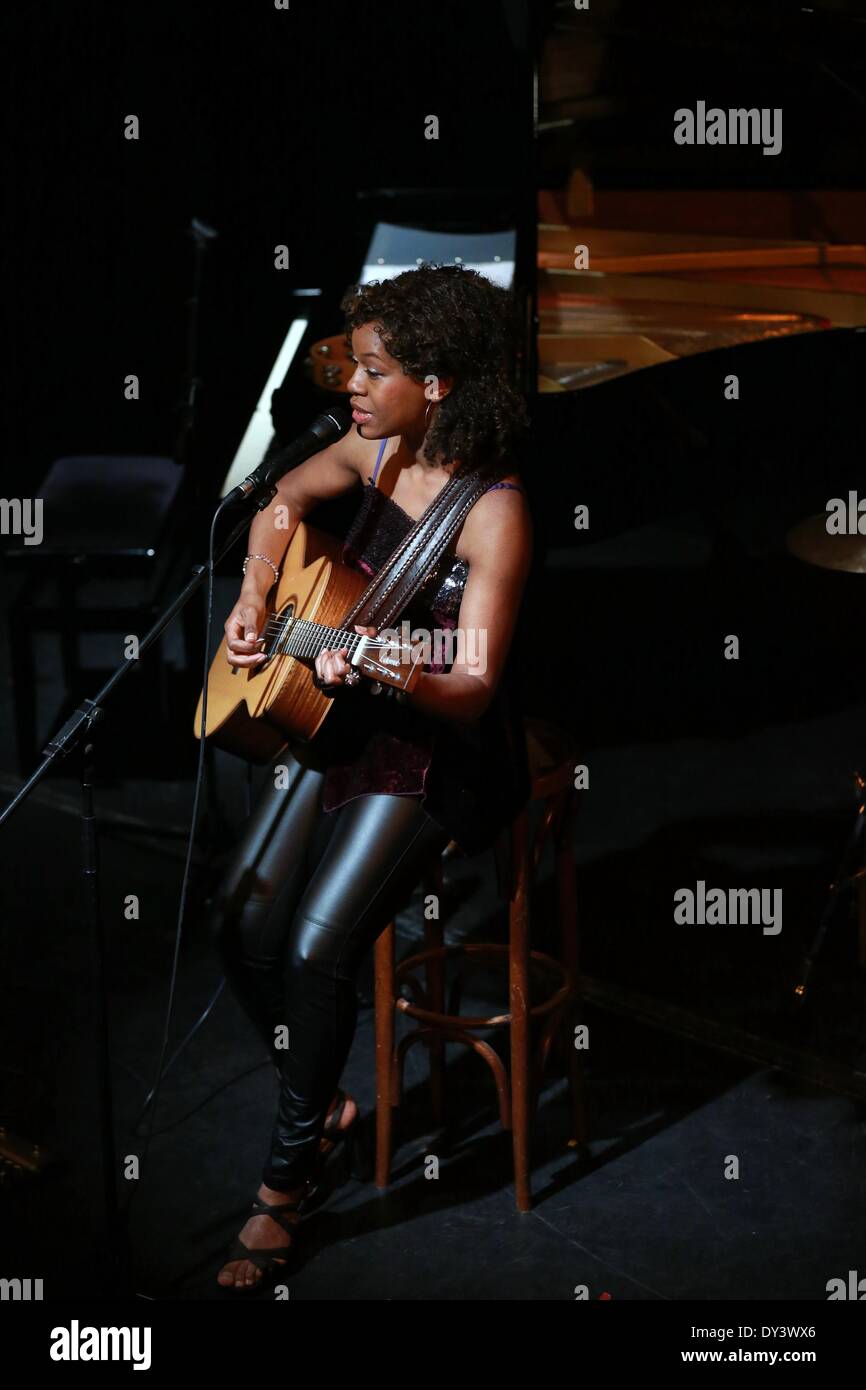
<point>810,541</point>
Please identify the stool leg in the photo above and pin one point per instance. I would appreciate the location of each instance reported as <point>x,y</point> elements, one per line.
<point>566,880</point>
<point>384,1013</point>
<point>519,1003</point>
<point>434,975</point>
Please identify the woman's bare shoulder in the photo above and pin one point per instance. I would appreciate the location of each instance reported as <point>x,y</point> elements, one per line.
<point>508,482</point>
<point>507,492</point>
<point>500,517</point>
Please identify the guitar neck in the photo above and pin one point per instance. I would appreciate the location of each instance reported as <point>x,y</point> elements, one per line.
<point>379,658</point>
<point>307,639</point>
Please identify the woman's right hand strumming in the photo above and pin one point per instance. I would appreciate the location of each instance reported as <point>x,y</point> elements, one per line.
<point>243,629</point>
<point>327,474</point>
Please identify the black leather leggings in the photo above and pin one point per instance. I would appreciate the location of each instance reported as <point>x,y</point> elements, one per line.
<point>305,896</point>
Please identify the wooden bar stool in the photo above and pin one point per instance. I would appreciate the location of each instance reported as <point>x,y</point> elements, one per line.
<point>552,760</point>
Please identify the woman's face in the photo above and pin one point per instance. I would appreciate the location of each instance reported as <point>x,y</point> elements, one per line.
<point>385,401</point>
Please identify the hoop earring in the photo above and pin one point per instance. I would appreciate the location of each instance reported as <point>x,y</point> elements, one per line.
<point>427,413</point>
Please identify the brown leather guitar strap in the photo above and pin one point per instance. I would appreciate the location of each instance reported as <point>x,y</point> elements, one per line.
<point>413,562</point>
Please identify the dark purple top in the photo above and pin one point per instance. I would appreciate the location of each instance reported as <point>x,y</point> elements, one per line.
<point>373,744</point>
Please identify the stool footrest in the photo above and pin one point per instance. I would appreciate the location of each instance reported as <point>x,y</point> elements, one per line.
<point>500,953</point>
<point>490,1056</point>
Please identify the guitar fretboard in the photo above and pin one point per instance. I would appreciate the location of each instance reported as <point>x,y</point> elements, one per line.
<point>306,639</point>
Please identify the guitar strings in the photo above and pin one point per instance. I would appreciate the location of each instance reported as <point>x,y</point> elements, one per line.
<point>310,633</point>
<point>307,628</point>
<point>280,624</point>
<point>313,631</point>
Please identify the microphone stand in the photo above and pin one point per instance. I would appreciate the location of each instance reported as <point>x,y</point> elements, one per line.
<point>81,726</point>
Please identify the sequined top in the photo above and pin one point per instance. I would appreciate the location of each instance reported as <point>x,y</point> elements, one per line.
<point>471,778</point>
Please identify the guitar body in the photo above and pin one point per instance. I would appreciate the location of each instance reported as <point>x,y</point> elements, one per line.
<point>255,711</point>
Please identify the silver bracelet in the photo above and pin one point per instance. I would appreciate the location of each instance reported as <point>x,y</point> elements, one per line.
<point>267,562</point>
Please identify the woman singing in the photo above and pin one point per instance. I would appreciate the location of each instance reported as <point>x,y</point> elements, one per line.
<point>327,860</point>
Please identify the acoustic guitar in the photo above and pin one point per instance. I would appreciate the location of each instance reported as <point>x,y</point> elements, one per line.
<point>255,711</point>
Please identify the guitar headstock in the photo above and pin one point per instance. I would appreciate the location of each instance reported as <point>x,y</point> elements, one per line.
<point>329,363</point>
<point>389,662</point>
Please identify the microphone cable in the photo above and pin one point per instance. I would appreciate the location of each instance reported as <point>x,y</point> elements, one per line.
<point>202,1018</point>
<point>162,1067</point>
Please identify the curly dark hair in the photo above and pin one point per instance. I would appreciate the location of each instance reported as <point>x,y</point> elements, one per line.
<point>447,320</point>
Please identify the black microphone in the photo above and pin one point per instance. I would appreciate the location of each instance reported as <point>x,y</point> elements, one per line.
<point>325,429</point>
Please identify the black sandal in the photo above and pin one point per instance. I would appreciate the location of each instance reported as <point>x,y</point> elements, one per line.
<point>345,1157</point>
<point>332,1131</point>
<point>270,1259</point>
